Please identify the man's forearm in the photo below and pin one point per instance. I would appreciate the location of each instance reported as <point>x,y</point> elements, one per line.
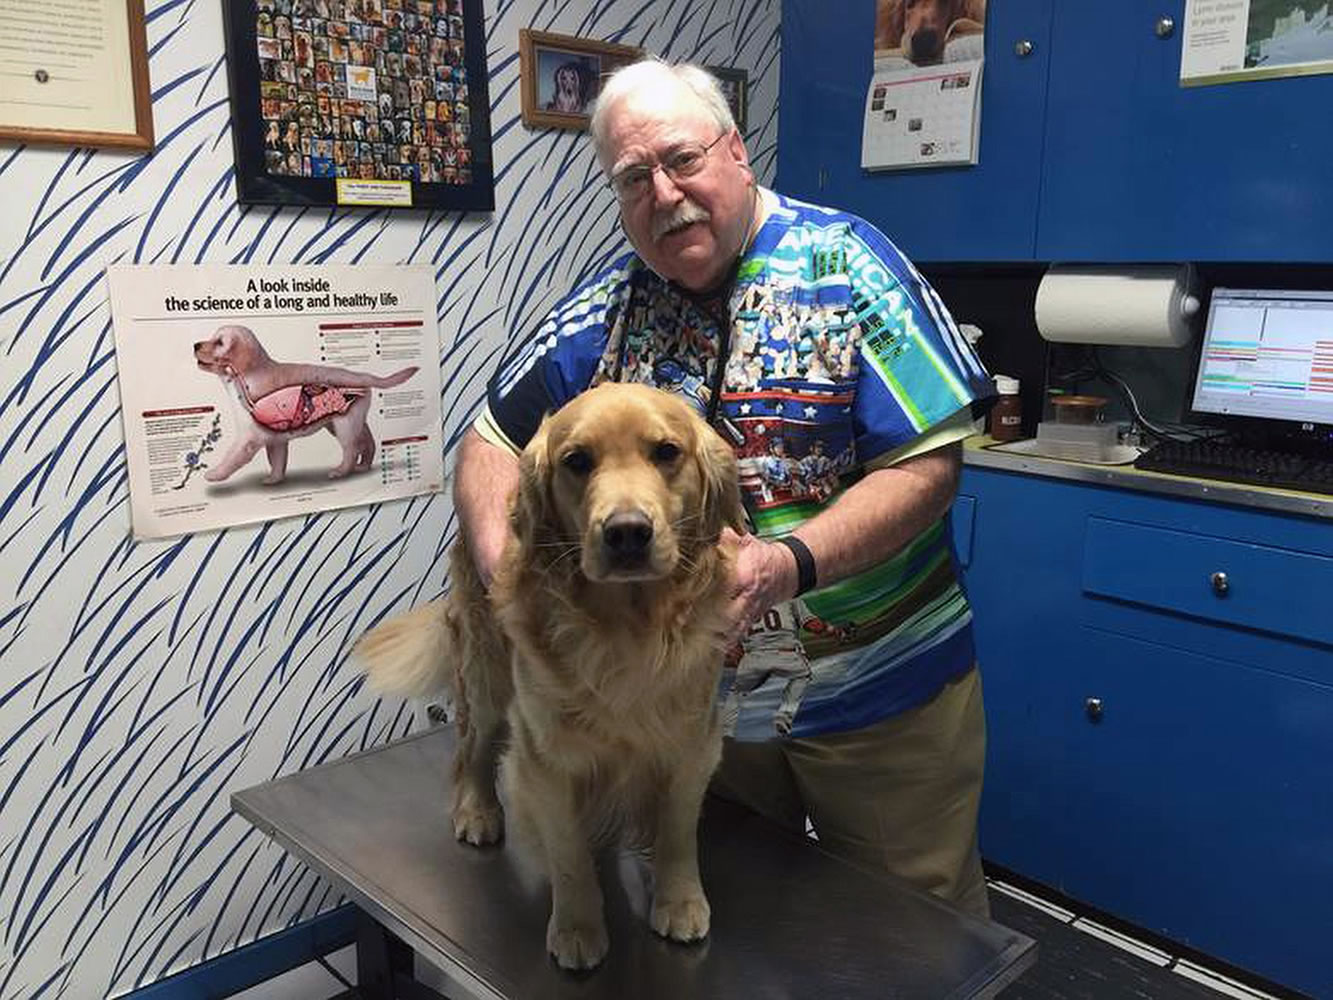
<point>881,513</point>
<point>485,477</point>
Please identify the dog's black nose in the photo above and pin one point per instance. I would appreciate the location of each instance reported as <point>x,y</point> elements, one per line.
<point>627,534</point>
<point>926,46</point>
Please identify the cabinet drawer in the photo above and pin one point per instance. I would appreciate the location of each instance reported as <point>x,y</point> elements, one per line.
<point>1255,586</point>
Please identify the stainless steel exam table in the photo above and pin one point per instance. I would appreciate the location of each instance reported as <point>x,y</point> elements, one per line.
<point>789,921</point>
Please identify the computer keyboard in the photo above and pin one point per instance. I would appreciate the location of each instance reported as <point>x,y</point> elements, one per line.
<point>1239,464</point>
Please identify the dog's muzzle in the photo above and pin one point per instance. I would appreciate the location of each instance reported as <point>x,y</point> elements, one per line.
<point>627,539</point>
<point>927,46</point>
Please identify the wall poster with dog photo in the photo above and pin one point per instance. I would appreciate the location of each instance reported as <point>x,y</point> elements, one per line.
<point>360,102</point>
<point>562,74</point>
<point>923,105</point>
<point>253,393</point>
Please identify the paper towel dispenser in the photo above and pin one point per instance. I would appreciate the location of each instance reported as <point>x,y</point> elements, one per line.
<point>1145,306</point>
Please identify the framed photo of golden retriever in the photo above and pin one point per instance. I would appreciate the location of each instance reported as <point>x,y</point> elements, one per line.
<point>562,74</point>
<point>377,103</point>
<point>736,86</point>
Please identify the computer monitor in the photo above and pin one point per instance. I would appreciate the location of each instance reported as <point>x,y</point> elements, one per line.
<point>1265,362</point>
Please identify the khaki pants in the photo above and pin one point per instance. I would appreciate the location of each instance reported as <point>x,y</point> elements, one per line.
<point>901,795</point>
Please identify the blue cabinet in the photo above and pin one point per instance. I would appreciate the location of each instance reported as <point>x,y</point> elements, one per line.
<point>1090,148</point>
<point>1137,167</point>
<point>1159,746</point>
<point>986,212</point>
<point>1203,809</point>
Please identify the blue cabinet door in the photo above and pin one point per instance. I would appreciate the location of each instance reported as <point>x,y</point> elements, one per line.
<point>985,212</point>
<point>1024,621</point>
<point>1204,805</point>
<point>1137,167</point>
<point>1197,801</point>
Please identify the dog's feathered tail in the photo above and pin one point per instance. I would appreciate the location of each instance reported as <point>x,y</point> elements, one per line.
<point>411,654</point>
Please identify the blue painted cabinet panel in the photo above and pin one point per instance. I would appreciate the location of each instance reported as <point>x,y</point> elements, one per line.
<point>1090,148</point>
<point>960,524</point>
<point>1137,167</point>
<point>1200,804</point>
<point>1204,811</point>
<point>1213,578</point>
<point>1017,583</point>
<point>985,212</point>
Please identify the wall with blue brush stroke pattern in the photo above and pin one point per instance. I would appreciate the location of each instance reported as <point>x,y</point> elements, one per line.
<point>141,683</point>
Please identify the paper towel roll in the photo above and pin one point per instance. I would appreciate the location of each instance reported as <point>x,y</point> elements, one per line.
<point>1137,306</point>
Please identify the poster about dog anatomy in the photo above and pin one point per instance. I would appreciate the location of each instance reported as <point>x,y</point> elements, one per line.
<point>253,393</point>
<point>923,105</point>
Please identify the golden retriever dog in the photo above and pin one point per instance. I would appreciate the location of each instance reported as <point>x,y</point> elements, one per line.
<point>921,28</point>
<point>278,401</point>
<point>591,672</point>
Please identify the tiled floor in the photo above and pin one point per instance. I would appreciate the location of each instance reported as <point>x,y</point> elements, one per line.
<point>1079,959</point>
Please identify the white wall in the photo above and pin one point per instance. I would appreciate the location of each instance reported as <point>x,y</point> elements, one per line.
<point>142,683</point>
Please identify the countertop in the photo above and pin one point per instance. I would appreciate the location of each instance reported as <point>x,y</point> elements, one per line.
<point>977,452</point>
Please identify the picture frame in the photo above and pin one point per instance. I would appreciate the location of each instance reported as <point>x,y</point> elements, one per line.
<point>70,92</point>
<point>562,74</point>
<point>370,103</point>
<point>736,86</point>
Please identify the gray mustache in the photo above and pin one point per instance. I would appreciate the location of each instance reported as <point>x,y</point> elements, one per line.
<point>685,213</point>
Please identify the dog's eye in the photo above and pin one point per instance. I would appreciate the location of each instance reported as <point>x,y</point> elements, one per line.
<point>666,451</point>
<point>577,461</point>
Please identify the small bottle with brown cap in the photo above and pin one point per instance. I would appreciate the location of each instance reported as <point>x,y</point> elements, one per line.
<point>1006,416</point>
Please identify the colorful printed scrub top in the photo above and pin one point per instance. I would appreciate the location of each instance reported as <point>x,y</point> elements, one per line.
<point>840,353</point>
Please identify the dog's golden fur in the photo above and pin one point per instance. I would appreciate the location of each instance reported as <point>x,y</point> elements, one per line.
<point>599,682</point>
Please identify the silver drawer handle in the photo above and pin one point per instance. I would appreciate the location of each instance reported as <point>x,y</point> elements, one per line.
<point>1221,585</point>
<point>1166,26</point>
<point>1023,48</point>
<point>1092,708</point>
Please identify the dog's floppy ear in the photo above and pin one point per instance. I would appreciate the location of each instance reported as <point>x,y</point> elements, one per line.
<point>888,24</point>
<point>533,509</point>
<point>972,10</point>
<point>722,493</point>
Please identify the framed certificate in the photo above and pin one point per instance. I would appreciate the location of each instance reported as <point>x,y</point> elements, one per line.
<point>76,80</point>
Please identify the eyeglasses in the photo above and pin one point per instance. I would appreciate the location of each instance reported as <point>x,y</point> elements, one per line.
<point>683,162</point>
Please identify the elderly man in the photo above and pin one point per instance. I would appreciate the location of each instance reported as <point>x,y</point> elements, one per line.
<point>884,751</point>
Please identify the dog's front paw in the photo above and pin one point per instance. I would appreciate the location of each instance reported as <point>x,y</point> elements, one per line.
<point>479,825</point>
<point>682,918</point>
<point>577,945</point>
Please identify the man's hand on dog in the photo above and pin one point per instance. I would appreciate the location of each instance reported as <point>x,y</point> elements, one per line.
<point>764,575</point>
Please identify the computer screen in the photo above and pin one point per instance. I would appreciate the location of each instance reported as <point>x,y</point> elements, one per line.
<point>1267,353</point>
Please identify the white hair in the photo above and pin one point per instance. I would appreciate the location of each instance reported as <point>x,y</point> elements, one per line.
<point>652,73</point>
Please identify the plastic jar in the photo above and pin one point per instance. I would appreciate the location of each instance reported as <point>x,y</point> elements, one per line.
<point>1006,416</point>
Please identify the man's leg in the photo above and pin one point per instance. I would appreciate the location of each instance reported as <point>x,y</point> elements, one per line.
<point>903,794</point>
<point>757,776</point>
